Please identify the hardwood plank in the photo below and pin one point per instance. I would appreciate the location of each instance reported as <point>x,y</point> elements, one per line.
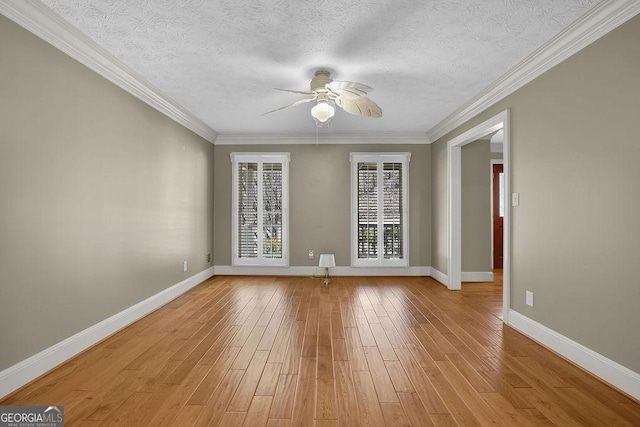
<point>219,400</point>
<point>549,409</point>
<point>506,413</point>
<point>189,414</point>
<point>506,383</point>
<point>213,378</point>
<point>325,362</point>
<point>368,405</point>
<point>416,413</point>
<point>282,405</point>
<point>355,351</point>
<point>421,383</point>
<point>470,374</point>
<point>346,395</point>
<point>242,398</point>
<point>340,349</point>
<point>381,380</point>
<point>336,321</point>
<point>293,351</point>
<point>454,403</point>
<point>394,415</point>
<point>366,336</point>
<point>324,331</point>
<point>162,412</point>
<point>258,413</point>
<point>399,378</point>
<point>248,349</point>
<point>325,399</point>
<point>310,346</point>
<point>443,420</point>
<point>382,342</point>
<point>394,337</point>
<point>270,333</point>
<point>304,407</point>
<point>233,418</point>
<point>269,380</point>
<point>124,411</point>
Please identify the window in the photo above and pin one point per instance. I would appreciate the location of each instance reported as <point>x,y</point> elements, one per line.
<point>260,208</point>
<point>379,206</point>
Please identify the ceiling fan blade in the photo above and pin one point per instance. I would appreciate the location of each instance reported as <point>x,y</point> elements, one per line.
<point>295,91</point>
<point>302,101</point>
<point>348,89</point>
<point>361,106</point>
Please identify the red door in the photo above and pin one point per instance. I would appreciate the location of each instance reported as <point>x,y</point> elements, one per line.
<point>498,215</point>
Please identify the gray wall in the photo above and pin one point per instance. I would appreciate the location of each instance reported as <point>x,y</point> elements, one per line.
<point>476,206</point>
<point>575,161</point>
<point>439,208</point>
<point>320,200</point>
<point>102,197</point>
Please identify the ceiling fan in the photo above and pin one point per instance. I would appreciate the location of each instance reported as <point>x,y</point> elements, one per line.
<point>327,93</point>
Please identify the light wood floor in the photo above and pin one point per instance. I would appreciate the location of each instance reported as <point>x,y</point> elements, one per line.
<point>362,351</point>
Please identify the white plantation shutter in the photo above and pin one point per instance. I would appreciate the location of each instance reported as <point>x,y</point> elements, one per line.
<point>260,197</point>
<point>272,210</point>
<point>392,210</point>
<point>247,211</point>
<point>379,209</point>
<point>367,210</point>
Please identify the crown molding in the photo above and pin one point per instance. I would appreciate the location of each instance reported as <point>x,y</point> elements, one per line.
<point>594,24</point>
<point>41,21</point>
<point>322,139</point>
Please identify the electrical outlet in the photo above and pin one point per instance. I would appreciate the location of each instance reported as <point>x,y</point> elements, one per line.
<point>208,257</point>
<point>184,266</point>
<point>311,254</point>
<point>529,298</point>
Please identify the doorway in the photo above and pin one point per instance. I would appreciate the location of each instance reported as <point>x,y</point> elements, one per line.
<point>497,214</point>
<point>454,163</point>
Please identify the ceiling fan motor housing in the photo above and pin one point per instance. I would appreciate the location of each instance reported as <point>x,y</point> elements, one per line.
<point>319,81</point>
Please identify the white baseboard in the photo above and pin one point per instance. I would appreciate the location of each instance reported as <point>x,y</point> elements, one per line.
<point>29,369</point>
<point>243,270</point>
<point>440,276</point>
<point>381,271</point>
<point>229,270</point>
<point>477,276</point>
<point>612,372</point>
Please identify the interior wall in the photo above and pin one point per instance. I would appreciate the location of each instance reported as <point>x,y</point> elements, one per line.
<point>102,196</point>
<point>476,207</point>
<point>320,200</point>
<point>574,161</point>
<point>439,208</point>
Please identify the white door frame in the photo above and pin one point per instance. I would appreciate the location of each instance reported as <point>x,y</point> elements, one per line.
<point>454,166</point>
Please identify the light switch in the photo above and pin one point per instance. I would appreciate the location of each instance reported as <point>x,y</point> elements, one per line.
<point>515,199</point>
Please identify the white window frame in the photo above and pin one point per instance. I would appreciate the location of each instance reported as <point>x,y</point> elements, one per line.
<point>380,159</point>
<point>261,158</point>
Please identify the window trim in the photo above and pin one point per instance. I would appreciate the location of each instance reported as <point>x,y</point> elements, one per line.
<point>260,158</point>
<point>379,158</point>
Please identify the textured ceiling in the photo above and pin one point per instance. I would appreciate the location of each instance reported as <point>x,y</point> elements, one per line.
<point>221,59</point>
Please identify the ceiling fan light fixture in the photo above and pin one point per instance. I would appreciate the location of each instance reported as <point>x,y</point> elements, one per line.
<point>322,112</point>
